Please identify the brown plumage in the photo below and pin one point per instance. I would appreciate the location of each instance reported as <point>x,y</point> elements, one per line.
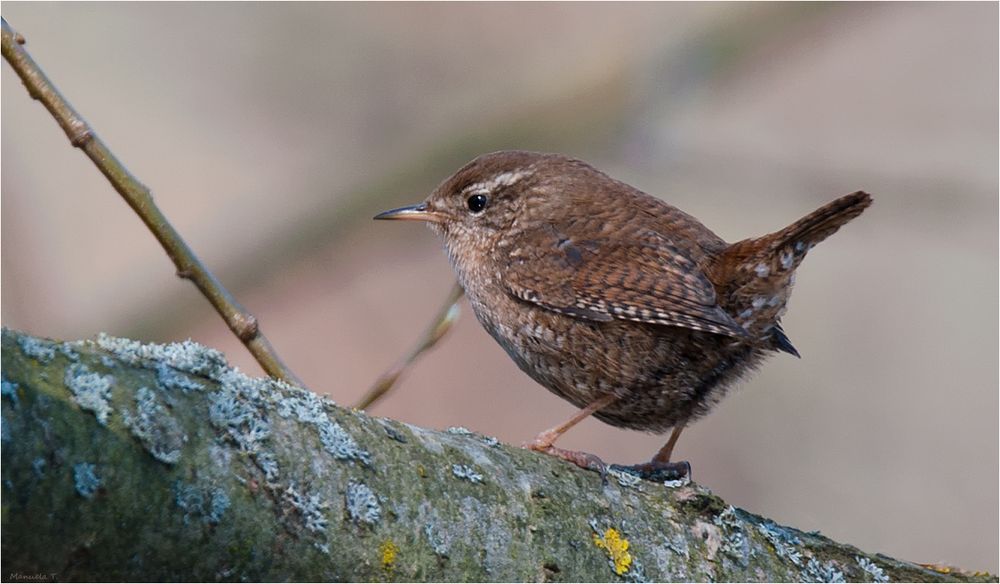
<point>611,298</point>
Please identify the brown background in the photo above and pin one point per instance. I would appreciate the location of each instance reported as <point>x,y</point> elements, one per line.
<point>271,133</point>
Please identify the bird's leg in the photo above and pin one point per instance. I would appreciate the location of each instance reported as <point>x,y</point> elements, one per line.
<point>660,468</point>
<point>663,456</point>
<point>544,441</point>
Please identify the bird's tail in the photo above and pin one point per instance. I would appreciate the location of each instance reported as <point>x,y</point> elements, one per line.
<point>788,246</point>
<point>754,277</point>
<point>783,250</point>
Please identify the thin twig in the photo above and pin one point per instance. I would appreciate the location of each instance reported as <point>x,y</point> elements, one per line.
<point>441,324</point>
<point>138,196</point>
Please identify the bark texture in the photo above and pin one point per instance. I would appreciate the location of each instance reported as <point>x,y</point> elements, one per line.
<point>128,461</point>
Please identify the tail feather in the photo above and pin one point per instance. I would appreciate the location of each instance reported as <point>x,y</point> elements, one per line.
<point>754,277</point>
<point>783,250</point>
<point>821,223</point>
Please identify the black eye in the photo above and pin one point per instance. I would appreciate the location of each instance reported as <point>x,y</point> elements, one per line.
<point>477,203</point>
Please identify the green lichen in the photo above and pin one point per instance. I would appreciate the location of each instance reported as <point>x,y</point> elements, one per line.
<point>39,349</point>
<point>154,427</point>
<point>85,479</point>
<point>362,504</point>
<point>91,391</point>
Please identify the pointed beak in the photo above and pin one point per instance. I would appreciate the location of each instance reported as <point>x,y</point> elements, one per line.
<point>418,212</point>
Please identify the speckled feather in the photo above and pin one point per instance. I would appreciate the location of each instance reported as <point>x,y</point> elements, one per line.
<point>594,287</point>
<point>640,277</point>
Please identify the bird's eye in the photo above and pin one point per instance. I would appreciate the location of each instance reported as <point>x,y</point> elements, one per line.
<point>477,203</point>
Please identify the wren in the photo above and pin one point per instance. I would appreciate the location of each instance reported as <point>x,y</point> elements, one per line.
<point>615,301</point>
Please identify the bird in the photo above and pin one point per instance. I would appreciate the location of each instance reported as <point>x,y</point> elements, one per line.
<point>612,299</point>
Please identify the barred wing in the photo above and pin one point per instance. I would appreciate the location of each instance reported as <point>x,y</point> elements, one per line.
<point>643,279</point>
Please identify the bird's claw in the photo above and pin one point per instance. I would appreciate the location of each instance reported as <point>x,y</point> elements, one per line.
<point>584,460</point>
<point>657,471</point>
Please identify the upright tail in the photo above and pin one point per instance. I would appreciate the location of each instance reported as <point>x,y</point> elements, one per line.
<point>798,237</point>
<point>754,277</point>
<point>782,251</point>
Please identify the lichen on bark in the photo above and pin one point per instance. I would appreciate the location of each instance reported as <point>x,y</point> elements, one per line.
<point>174,466</point>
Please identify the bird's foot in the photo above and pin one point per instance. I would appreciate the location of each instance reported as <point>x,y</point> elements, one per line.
<point>584,460</point>
<point>657,471</point>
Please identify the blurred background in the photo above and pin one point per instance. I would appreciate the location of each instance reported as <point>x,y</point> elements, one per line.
<point>271,133</point>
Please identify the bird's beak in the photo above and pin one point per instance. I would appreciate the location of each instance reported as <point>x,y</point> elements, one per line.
<point>418,212</point>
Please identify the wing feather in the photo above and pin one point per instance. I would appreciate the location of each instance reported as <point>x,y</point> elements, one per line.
<point>644,279</point>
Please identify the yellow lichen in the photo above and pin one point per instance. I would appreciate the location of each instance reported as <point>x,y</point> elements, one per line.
<point>939,568</point>
<point>389,550</point>
<point>616,547</point>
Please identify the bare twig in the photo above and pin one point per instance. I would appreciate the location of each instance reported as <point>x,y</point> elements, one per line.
<point>138,196</point>
<point>441,324</point>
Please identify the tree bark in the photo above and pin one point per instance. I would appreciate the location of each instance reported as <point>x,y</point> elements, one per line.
<point>125,461</point>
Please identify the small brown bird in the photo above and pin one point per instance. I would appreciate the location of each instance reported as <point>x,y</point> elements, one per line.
<point>612,299</point>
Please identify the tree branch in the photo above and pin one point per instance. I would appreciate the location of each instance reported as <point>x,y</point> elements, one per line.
<point>124,461</point>
<point>243,324</point>
<point>442,323</point>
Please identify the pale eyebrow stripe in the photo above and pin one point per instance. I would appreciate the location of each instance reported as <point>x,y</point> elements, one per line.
<point>505,179</point>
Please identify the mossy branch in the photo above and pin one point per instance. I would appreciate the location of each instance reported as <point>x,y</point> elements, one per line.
<point>124,461</point>
<point>243,324</point>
